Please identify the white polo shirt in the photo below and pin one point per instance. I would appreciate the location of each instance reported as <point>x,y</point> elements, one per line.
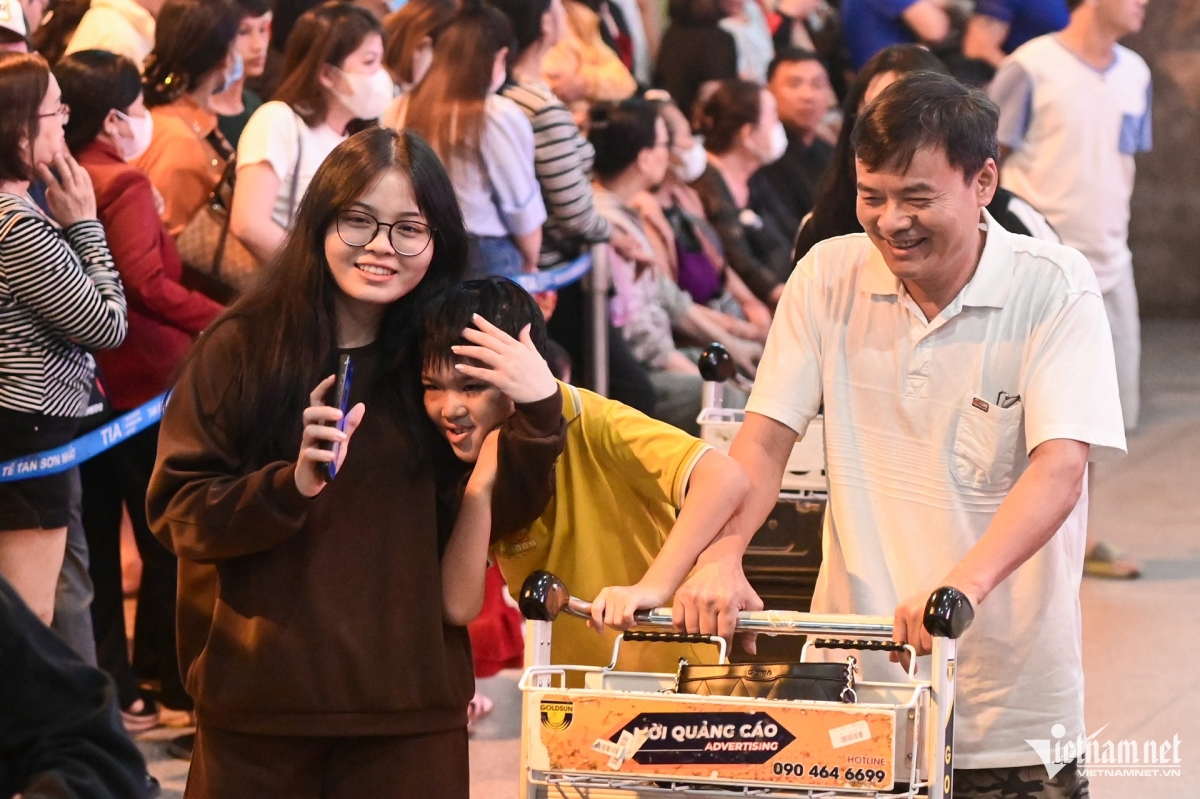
<point>920,455</point>
<point>1074,131</point>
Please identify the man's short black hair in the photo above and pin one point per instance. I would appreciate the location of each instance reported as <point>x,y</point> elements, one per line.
<point>790,55</point>
<point>497,299</point>
<point>1073,4</point>
<point>925,109</point>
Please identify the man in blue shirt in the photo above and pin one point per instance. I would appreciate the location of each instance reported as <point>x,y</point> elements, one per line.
<point>1001,26</point>
<point>871,25</point>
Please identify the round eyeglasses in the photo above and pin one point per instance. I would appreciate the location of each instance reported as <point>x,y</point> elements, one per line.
<point>408,236</point>
<point>63,111</point>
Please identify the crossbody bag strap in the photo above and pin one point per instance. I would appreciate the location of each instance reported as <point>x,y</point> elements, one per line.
<point>219,143</point>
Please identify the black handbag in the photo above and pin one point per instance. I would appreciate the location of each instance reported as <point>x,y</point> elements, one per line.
<point>822,682</point>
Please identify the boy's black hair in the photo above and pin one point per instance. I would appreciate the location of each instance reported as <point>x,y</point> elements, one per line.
<point>497,299</point>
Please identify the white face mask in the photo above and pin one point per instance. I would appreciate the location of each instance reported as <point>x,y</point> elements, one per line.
<point>142,130</point>
<point>369,94</point>
<point>694,159</point>
<point>776,148</point>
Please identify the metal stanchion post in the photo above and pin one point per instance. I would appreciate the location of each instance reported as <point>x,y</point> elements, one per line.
<point>596,321</point>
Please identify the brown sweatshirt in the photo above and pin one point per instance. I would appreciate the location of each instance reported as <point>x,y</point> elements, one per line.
<point>322,616</point>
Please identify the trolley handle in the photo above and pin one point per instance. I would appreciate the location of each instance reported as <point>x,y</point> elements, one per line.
<point>948,614</point>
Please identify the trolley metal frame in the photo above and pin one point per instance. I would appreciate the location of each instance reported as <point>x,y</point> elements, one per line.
<point>923,710</point>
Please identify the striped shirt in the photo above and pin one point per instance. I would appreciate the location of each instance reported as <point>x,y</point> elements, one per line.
<point>59,297</point>
<point>563,163</point>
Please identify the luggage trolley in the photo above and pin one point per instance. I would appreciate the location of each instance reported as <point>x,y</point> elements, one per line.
<point>630,734</point>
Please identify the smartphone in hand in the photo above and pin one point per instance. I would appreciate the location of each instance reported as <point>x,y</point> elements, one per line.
<point>341,401</point>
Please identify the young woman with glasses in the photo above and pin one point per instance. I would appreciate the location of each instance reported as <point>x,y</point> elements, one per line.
<point>310,622</point>
<point>59,298</point>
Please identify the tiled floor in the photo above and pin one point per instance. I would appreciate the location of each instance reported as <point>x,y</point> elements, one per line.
<point>1141,638</point>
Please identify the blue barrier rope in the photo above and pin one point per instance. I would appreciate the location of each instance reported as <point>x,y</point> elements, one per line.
<point>554,279</point>
<point>59,459</point>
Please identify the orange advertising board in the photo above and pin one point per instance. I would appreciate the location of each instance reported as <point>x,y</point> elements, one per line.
<point>670,736</point>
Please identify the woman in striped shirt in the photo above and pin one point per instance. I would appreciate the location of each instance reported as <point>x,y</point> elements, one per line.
<point>59,297</point>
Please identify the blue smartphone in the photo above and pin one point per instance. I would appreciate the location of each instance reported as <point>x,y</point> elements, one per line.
<point>341,401</point>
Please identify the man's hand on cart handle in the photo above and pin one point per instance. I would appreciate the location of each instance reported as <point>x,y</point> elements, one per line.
<point>709,601</point>
<point>908,627</point>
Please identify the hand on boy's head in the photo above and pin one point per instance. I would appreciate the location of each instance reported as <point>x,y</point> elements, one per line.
<point>511,365</point>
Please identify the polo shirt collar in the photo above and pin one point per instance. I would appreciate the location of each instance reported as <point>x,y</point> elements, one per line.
<point>988,287</point>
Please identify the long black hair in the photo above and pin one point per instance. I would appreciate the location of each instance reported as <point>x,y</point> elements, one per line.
<point>835,212</point>
<point>286,327</point>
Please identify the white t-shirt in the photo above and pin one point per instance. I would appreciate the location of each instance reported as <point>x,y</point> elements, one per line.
<point>272,135</point>
<point>919,456</point>
<point>123,27</point>
<point>499,191</point>
<point>1074,131</point>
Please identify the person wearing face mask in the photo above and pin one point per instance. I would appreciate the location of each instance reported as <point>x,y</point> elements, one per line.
<point>408,38</point>
<point>800,85</point>
<point>193,59</point>
<point>333,75</point>
<point>108,127</point>
<point>238,103</point>
<point>686,242</point>
<point>484,139</point>
<point>742,133</point>
<point>632,157</point>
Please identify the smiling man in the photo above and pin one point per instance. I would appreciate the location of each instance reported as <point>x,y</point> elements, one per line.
<point>967,378</point>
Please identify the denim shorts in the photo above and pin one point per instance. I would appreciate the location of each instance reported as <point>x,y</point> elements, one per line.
<point>494,255</point>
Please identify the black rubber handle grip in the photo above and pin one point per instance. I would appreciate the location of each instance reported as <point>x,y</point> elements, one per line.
<point>845,643</point>
<point>667,638</point>
<point>948,613</point>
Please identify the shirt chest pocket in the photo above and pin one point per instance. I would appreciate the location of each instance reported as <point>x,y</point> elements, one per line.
<point>985,445</point>
<point>1135,133</point>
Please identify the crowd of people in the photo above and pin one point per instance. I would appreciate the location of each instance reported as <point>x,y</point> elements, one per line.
<point>321,178</point>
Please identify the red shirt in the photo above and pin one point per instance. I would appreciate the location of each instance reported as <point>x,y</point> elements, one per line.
<point>164,317</point>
